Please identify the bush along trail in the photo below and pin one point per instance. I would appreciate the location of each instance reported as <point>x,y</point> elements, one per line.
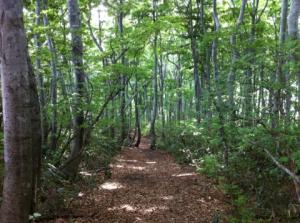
<point>215,83</point>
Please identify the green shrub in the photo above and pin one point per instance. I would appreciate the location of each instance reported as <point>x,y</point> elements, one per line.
<point>210,166</point>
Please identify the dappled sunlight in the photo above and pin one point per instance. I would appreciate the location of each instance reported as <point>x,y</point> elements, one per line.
<point>167,198</point>
<point>118,166</point>
<point>153,209</point>
<point>111,186</point>
<point>150,187</point>
<point>137,167</point>
<point>80,194</point>
<point>151,162</point>
<point>184,175</point>
<point>128,166</point>
<point>128,161</point>
<point>125,207</point>
<point>145,210</point>
<point>85,173</point>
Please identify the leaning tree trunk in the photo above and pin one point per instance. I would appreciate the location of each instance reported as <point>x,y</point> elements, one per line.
<point>70,167</point>
<point>22,125</point>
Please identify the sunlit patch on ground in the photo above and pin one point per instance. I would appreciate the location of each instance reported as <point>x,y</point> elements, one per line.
<point>149,186</point>
<point>80,194</point>
<point>153,209</point>
<point>111,186</point>
<point>136,167</point>
<point>128,161</point>
<point>144,211</point>
<point>117,166</point>
<point>151,162</point>
<point>85,173</point>
<point>184,175</point>
<point>167,198</point>
<point>126,166</point>
<point>126,207</point>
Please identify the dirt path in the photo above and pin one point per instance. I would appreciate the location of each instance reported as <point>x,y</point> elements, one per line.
<point>148,186</point>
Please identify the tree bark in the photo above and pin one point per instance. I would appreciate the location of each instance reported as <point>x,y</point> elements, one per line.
<point>137,115</point>
<point>22,124</point>
<point>70,167</point>
<point>195,55</point>
<point>234,55</point>
<point>53,92</point>
<point>155,87</point>
<point>40,78</point>
<point>218,87</point>
<point>122,80</point>
<point>293,32</point>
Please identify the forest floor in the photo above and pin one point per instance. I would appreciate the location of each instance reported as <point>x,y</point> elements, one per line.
<point>149,186</point>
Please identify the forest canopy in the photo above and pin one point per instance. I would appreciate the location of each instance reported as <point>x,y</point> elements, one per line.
<point>215,83</point>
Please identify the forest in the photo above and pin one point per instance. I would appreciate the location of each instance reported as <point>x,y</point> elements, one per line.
<point>164,111</point>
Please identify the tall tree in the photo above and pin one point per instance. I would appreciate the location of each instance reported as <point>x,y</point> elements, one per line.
<point>123,77</point>
<point>53,90</point>
<point>22,125</point>
<point>293,31</point>
<point>70,167</point>
<point>155,86</point>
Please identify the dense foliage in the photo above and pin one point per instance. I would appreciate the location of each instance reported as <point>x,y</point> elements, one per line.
<point>216,82</point>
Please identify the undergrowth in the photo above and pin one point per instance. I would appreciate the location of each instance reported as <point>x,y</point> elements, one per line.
<point>260,191</point>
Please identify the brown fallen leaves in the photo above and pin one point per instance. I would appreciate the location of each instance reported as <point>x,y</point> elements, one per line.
<point>148,186</point>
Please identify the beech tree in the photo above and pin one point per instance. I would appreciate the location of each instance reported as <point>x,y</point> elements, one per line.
<point>113,73</point>
<point>22,127</point>
<point>70,167</point>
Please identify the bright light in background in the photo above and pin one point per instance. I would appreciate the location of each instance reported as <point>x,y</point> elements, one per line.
<point>100,12</point>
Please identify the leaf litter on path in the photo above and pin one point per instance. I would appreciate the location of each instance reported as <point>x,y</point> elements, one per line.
<point>149,186</point>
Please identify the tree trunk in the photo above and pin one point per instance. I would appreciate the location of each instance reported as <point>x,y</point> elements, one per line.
<point>293,31</point>
<point>70,167</point>
<point>218,87</point>
<point>234,55</point>
<point>162,92</point>
<point>123,80</point>
<point>155,87</point>
<point>40,78</point>
<point>22,125</point>
<point>137,115</point>
<point>53,92</point>
<point>281,78</point>
<point>179,90</point>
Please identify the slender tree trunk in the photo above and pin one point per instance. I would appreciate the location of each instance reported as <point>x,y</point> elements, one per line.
<point>234,55</point>
<point>22,125</point>
<point>70,167</point>
<point>278,105</point>
<point>137,115</point>
<point>155,87</point>
<point>218,87</point>
<point>53,62</point>
<point>195,56</point>
<point>162,91</point>
<point>40,78</point>
<point>123,80</point>
<point>179,89</point>
<point>293,32</point>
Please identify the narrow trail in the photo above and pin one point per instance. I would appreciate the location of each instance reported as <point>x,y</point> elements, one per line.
<point>149,186</point>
